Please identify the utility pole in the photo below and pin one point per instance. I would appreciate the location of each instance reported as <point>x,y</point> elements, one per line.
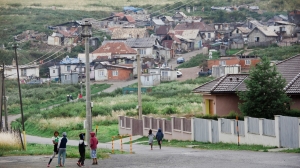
<point>86,27</point>
<point>5,106</point>
<point>1,96</point>
<point>80,71</point>
<point>20,95</point>
<point>139,86</point>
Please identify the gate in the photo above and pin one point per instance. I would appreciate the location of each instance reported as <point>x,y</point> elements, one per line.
<point>288,132</point>
<point>214,131</point>
<point>201,130</point>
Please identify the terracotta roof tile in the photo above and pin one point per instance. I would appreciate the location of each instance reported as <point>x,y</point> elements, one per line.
<point>130,19</point>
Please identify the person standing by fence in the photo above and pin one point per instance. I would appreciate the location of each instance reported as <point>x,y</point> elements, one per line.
<point>55,140</point>
<point>159,137</point>
<point>62,146</point>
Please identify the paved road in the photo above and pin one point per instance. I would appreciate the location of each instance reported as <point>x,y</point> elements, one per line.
<point>187,56</point>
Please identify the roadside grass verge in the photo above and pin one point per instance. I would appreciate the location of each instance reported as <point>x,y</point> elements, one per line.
<point>207,146</point>
<point>194,61</point>
<point>291,150</point>
<point>72,151</point>
<point>9,142</point>
<point>277,53</point>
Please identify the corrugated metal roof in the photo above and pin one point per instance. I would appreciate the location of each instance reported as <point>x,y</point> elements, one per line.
<point>158,22</point>
<point>68,60</point>
<point>194,25</point>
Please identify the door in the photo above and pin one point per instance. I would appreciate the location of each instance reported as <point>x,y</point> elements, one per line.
<point>200,44</point>
<point>289,132</point>
<point>211,107</point>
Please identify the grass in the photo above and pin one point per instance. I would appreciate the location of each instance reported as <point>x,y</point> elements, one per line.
<point>39,149</point>
<point>291,150</point>
<point>207,146</point>
<point>9,142</point>
<point>194,61</point>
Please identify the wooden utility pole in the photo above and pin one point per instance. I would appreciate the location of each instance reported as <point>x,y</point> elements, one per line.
<point>5,105</point>
<point>20,95</point>
<point>139,65</point>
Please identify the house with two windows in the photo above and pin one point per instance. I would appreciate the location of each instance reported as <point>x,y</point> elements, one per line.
<point>26,71</point>
<point>104,71</point>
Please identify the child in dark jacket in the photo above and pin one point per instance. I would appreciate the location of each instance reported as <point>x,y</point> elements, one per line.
<point>81,148</point>
<point>159,137</point>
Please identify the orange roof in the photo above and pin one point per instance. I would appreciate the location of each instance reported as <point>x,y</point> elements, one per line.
<point>120,14</point>
<point>130,19</point>
<point>115,48</point>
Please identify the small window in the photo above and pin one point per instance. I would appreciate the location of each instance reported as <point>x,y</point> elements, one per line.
<point>23,72</point>
<point>115,73</point>
<point>53,71</point>
<point>164,73</point>
<point>237,30</point>
<point>68,68</point>
<point>101,73</point>
<point>247,62</point>
<point>222,62</point>
<point>256,39</point>
<point>208,35</point>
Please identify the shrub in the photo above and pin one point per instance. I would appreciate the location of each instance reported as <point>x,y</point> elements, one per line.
<point>293,113</point>
<point>101,110</point>
<point>126,106</point>
<point>170,110</point>
<point>16,5</point>
<point>149,108</point>
<point>131,114</point>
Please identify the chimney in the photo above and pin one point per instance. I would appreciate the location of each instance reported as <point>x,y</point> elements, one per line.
<point>14,62</point>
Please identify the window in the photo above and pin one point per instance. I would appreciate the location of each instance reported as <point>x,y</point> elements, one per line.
<point>247,62</point>
<point>222,63</point>
<point>208,35</point>
<point>256,39</point>
<point>164,73</point>
<point>115,73</point>
<point>237,30</point>
<point>142,51</point>
<point>68,68</point>
<point>67,77</point>
<point>101,73</point>
<point>23,72</point>
<point>147,78</point>
<point>53,71</point>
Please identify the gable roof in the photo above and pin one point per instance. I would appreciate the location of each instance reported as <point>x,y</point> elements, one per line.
<point>188,34</point>
<point>267,31</point>
<point>169,18</point>
<point>173,37</point>
<point>256,23</point>
<point>125,33</point>
<point>115,48</point>
<point>68,60</point>
<point>194,25</point>
<point>182,14</point>
<point>147,42</point>
<point>158,22</point>
<point>130,19</point>
<point>245,30</point>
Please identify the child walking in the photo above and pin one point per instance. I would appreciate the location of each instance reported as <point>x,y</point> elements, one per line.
<point>159,137</point>
<point>62,146</point>
<point>81,148</point>
<point>55,140</point>
<point>151,137</point>
<point>93,146</point>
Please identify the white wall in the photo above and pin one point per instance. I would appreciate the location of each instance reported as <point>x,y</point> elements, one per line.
<point>212,35</point>
<point>11,73</point>
<point>63,68</point>
<point>150,80</point>
<point>101,75</point>
<point>54,72</point>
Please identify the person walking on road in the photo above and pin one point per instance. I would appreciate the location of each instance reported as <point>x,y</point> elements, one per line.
<point>55,140</point>
<point>151,137</point>
<point>159,137</point>
<point>81,148</point>
<point>62,146</point>
<point>93,146</point>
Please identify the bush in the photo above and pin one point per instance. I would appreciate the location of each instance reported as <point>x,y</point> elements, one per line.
<point>170,110</point>
<point>126,106</point>
<point>149,108</point>
<point>293,113</point>
<point>16,5</point>
<point>131,114</point>
<point>101,110</point>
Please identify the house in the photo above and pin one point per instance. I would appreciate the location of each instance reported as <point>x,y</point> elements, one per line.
<point>55,39</point>
<point>251,24</point>
<point>179,16</point>
<point>221,70</point>
<point>244,31</point>
<point>30,35</point>
<point>220,95</point>
<point>284,29</point>
<point>150,80</point>
<point>166,74</point>
<point>156,22</point>
<point>168,20</point>
<point>207,32</point>
<point>172,42</point>
<point>143,46</point>
<point>70,36</point>
<point>162,31</point>
<point>25,71</point>
<point>54,73</point>
<point>126,33</point>
<point>261,36</point>
<point>246,62</point>
<point>104,71</point>
<point>190,39</point>
<point>68,70</point>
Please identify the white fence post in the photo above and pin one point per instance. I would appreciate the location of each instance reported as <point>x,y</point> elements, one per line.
<point>277,130</point>
<point>192,129</point>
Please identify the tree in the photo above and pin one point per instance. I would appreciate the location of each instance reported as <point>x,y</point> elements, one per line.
<point>265,95</point>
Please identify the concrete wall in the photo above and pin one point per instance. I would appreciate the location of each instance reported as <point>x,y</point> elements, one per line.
<point>226,103</point>
<point>262,38</point>
<point>11,73</point>
<point>150,79</point>
<point>64,68</point>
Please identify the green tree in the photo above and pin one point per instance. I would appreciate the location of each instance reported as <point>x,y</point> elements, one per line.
<point>265,96</point>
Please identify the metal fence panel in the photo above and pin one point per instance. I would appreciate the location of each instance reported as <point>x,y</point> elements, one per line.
<point>253,125</point>
<point>201,131</point>
<point>187,125</point>
<point>215,131</point>
<point>289,132</point>
<point>177,123</point>
<point>127,120</point>
<point>154,123</point>
<point>122,121</point>
<point>241,125</point>
<point>160,123</point>
<point>168,126</point>
<point>268,127</point>
<point>226,125</point>
<point>137,127</point>
<point>147,122</point>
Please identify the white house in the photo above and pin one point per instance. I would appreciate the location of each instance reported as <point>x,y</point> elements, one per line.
<point>54,72</point>
<point>143,46</point>
<point>284,29</point>
<point>149,80</point>
<point>165,74</point>
<point>25,71</point>
<point>55,39</point>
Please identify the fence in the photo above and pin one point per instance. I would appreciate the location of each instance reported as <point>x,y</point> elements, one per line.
<point>259,44</point>
<point>281,132</point>
<point>236,46</point>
